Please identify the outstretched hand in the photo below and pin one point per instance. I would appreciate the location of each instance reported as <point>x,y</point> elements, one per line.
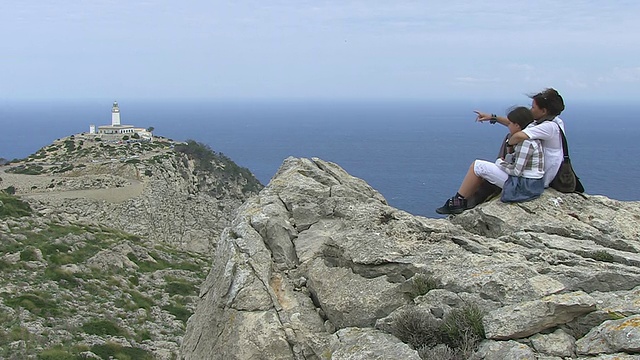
<point>480,116</point>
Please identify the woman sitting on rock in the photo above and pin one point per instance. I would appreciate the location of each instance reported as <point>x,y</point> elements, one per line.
<point>526,161</point>
<point>546,107</point>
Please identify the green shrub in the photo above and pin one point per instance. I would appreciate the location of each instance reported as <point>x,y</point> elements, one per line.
<point>58,274</point>
<point>180,312</point>
<point>143,334</point>
<point>37,303</point>
<point>13,207</point>
<point>70,145</point>
<point>103,327</point>
<point>417,328</point>
<point>141,301</point>
<point>64,168</point>
<point>180,288</point>
<point>463,327</point>
<point>56,354</point>
<point>422,284</point>
<point>601,255</point>
<point>29,169</point>
<point>456,336</point>
<point>5,265</point>
<point>29,254</point>
<point>115,351</point>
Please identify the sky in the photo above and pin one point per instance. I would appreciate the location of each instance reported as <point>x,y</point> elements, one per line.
<point>212,49</point>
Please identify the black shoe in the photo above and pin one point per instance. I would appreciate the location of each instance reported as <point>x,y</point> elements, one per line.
<point>455,205</point>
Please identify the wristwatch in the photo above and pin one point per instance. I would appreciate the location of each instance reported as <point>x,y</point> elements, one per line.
<point>494,119</point>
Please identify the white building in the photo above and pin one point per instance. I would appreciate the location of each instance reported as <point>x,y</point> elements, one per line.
<point>116,128</point>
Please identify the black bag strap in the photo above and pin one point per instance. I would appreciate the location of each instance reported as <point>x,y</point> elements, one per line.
<point>565,147</point>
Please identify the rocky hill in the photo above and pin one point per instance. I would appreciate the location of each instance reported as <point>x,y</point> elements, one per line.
<point>181,194</point>
<point>104,243</point>
<point>318,266</point>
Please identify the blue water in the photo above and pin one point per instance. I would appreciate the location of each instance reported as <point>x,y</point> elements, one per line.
<point>414,153</point>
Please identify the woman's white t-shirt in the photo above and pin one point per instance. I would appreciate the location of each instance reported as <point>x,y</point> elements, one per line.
<point>549,134</point>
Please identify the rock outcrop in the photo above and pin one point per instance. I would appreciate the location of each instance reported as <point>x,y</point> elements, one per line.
<point>319,266</point>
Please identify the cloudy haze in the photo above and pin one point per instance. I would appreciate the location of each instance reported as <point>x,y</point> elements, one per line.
<point>318,49</point>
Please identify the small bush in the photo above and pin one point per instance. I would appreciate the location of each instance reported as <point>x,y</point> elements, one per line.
<point>59,275</point>
<point>143,334</point>
<point>102,327</point>
<point>29,254</point>
<point>115,351</point>
<point>417,328</point>
<point>12,206</point>
<point>463,328</point>
<point>180,312</point>
<point>601,255</point>
<point>141,301</point>
<point>453,338</point>
<point>29,169</point>
<point>180,288</point>
<point>37,303</point>
<point>422,284</point>
<point>56,354</point>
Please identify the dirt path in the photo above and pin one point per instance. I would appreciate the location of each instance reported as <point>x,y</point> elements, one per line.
<point>25,185</point>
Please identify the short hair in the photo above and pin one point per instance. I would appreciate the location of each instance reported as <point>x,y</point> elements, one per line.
<point>550,100</point>
<point>521,116</point>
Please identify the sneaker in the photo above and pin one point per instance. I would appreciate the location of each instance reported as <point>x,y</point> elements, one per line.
<point>455,205</point>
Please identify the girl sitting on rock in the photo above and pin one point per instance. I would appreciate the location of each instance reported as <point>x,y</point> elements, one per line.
<point>520,174</point>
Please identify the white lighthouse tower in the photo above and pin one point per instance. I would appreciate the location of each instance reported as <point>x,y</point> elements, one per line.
<point>115,114</point>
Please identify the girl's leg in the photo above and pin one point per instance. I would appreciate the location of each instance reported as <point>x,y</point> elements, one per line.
<point>478,170</point>
<point>490,172</point>
<point>470,183</point>
<point>458,203</point>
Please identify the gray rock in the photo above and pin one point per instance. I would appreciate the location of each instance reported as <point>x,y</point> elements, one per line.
<point>612,336</point>
<point>501,350</point>
<point>525,319</point>
<point>369,344</point>
<point>558,343</point>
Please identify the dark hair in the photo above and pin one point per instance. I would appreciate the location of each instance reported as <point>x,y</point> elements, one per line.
<point>521,116</point>
<point>549,99</point>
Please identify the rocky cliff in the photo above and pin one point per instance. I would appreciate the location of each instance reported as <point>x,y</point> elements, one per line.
<point>103,244</point>
<point>319,266</point>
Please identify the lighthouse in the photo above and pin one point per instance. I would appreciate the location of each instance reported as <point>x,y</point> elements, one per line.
<point>115,114</point>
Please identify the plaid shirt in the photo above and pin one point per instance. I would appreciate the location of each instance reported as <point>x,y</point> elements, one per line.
<point>528,160</point>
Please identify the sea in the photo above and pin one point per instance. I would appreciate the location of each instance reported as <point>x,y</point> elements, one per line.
<point>414,152</point>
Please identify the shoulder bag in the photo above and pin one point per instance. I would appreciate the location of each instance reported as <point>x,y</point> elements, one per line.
<point>566,180</point>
